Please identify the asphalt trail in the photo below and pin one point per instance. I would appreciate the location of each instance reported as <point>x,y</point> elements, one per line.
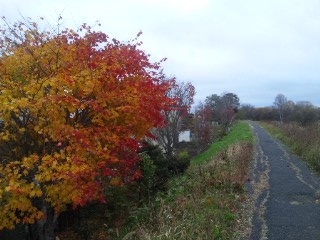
<point>286,193</point>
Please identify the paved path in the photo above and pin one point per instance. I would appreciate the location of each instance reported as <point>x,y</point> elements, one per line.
<point>286,193</point>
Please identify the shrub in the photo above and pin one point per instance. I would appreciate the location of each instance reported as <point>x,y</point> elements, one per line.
<point>147,182</point>
<point>161,174</point>
<point>179,164</point>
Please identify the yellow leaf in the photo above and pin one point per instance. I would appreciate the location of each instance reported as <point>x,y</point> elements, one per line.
<point>22,130</point>
<point>5,138</point>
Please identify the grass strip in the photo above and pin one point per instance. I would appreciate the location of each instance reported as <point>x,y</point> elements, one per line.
<point>240,132</point>
<point>204,202</point>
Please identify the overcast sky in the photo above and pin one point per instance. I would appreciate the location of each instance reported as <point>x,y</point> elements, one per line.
<point>254,48</point>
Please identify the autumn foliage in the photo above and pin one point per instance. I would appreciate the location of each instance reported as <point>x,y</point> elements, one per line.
<point>74,107</point>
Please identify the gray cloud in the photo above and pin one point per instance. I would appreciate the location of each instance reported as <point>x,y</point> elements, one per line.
<point>255,49</point>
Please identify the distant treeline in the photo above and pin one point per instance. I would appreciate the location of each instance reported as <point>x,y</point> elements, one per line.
<point>282,110</point>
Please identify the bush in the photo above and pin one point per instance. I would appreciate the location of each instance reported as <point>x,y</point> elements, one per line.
<point>161,174</point>
<point>190,147</point>
<point>179,164</point>
<point>147,182</point>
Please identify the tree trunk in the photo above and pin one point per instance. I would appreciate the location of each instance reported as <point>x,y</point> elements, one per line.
<point>45,227</point>
<point>175,138</point>
<point>281,117</point>
<point>30,232</point>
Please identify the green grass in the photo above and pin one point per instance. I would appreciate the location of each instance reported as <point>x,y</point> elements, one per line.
<point>203,203</point>
<point>241,131</point>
